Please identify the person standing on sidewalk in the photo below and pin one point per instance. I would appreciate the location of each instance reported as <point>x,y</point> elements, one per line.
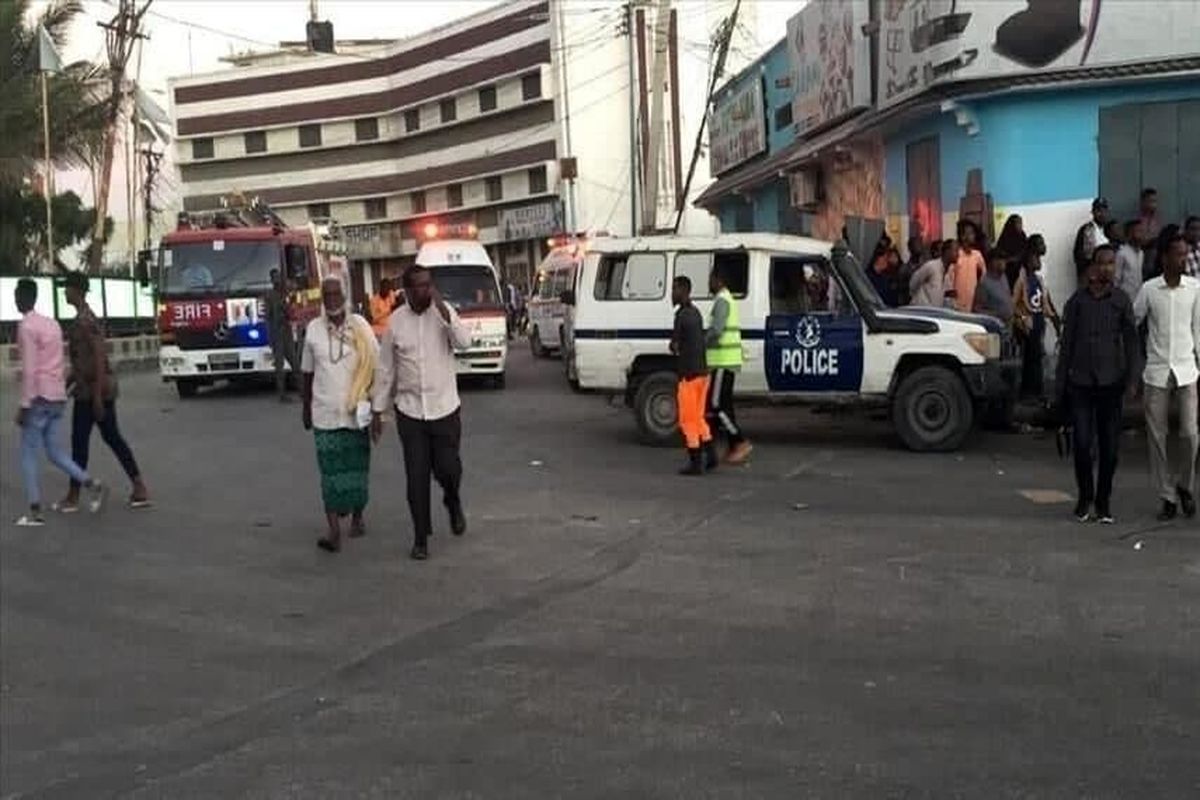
<point>1097,351</point>
<point>95,392</point>
<point>279,332</point>
<point>1170,306</point>
<point>1191,235</point>
<point>43,398</point>
<point>1033,307</point>
<point>687,344</point>
<point>724,358</point>
<point>417,377</point>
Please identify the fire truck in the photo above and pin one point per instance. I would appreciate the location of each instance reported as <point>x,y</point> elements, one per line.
<point>214,277</point>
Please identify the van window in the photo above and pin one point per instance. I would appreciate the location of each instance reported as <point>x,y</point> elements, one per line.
<point>637,276</point>
<point>807,286</point>
<point>543,287</point>
<point>698,266</point>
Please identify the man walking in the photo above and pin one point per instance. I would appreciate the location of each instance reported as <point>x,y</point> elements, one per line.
<point>724,359</point>
<point>43,398</point>
<point>1098,348</point>
<point>687,343</point>
<point>1170,306</point>
<point>1131,258</point>
<point>417,377</point>
<point>95,392</point>
<point>382,304</point>
<point>279,332</point>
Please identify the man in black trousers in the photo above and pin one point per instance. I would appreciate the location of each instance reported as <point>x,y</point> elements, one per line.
<point>1096,362</point>
<point>418,378</point>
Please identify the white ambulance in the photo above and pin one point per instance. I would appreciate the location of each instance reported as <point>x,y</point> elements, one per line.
<point>547,312</point>
<point>813,329</point>
<point>464,274</point>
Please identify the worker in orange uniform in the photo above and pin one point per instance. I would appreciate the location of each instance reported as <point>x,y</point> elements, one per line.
<point>687,343</point>
<point>382,306</point>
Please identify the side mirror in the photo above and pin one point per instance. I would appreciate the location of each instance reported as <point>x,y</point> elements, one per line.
<point>567,297</point>
<point>296,258</point>
<point>141,270</point>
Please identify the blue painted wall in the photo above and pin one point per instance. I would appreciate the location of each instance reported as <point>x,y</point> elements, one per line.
<point>1033,148</point>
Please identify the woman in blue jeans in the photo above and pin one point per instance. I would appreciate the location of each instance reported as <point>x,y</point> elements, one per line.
<point>43,398</point>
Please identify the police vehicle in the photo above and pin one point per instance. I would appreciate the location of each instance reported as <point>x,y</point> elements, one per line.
<point>812,327</point>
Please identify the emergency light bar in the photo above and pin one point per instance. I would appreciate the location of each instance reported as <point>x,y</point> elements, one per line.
<point>432,230</point>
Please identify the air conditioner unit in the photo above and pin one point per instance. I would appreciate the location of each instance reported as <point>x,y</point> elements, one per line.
<point>805,188</point>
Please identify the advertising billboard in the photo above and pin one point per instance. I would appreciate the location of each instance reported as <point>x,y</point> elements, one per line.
<point>737,126</point>
<point>924,42</point>
<point>830,59</point>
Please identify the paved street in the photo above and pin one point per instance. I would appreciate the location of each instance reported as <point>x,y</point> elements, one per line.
<point>841,618</point>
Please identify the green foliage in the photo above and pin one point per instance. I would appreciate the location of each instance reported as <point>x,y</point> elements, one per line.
<point>23,227</point>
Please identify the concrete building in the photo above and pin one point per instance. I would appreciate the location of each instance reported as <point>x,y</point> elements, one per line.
<point>515,120</point>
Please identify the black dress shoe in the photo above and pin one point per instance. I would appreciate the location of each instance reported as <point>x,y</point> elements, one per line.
<point>458,519</point>
<point>1187,502</point>
<point>1168,511</point>
<point>419,552</point>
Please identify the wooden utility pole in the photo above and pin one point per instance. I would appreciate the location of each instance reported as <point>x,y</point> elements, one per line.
<point>121,34</point>
<point>724,37</point>
<point>152,160</point>
<point>630,21</point>
<point>662,21</point>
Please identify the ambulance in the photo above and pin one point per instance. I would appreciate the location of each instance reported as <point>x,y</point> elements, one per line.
<point>466,278</point>
<point>813,331</point>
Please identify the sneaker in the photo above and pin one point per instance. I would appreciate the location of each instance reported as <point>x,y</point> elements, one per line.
<point>97,496</point>
<point>1168,511</point>
<point>30,520</point>
<point>1104,516</point>
<point>1187,502</point>
<point>1083,511</point>
<point>739,453</point>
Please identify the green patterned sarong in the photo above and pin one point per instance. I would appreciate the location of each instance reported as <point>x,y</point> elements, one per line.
<point>344,460</point>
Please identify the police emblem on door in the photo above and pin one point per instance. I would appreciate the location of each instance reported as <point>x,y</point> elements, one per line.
<point>808,332</point>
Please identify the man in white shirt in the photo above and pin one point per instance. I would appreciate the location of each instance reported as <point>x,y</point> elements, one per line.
<point>418,378</point>
<point>1131,259</point>
<point>928,284</point>
<point>1170,304</point>
<point>1090,236</point>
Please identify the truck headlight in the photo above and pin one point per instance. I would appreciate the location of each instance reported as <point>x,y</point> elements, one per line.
<point>986,344</point>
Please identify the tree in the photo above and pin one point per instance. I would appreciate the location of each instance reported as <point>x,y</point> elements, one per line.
<point>23,227</point>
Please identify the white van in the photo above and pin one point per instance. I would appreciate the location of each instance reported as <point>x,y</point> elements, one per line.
<point>813,329</point>
<point>547,311</point>
<point>464,275</point>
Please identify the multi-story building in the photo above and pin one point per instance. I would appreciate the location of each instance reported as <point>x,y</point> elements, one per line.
<point>515,120</point>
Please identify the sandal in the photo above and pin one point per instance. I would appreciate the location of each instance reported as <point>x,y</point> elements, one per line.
<point>329,545</point>
<point>65,507</point>
<point>140,502</point>
<point>358,530</point>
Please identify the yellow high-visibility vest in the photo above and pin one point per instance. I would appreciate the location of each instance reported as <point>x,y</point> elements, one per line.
<point>727,352</point>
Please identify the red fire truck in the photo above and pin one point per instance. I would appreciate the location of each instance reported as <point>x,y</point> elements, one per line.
<point>214,276</point>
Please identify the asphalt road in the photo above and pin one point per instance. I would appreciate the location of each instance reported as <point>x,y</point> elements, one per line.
<point>839,619</point>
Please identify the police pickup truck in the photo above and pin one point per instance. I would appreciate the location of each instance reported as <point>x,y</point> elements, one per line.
<point>813,330</point>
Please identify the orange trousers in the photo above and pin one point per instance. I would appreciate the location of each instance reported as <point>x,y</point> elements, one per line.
<point>690,398</point>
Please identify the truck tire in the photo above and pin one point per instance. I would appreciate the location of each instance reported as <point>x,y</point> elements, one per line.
<point>186,388</point>
<point>654,406</point>
<point>932,410</point>
<point>535,344</point>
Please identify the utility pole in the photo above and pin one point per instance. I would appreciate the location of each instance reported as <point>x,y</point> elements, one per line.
<point>564,56</point>
<point>724,37</point>
<point>633,159</point>
<point>122,32</point>
<point>657,129</point>
<point>152,159</point>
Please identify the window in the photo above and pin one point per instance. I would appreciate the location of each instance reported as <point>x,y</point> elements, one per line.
<point>807,286</point>
<point>494,189</point>
<point>454,195</point>
<point>318,211</point>
<point>375,208</point>
<point>417,200</point>
<point>783,116</point>
<point>537,180</point>
<point>637,276</point>
<point>310,135</point>
<point>202,148</point>
<point>487,99</point>
<point>531,86</point>
<point>449,109</point>
<point>735,267</point>
<point>256,141</point>
<point>366,129</point>
<point>412,120</point>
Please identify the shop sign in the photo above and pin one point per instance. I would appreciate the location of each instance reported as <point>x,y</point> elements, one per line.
<point>830,61</point>
<point>737,127</point>
<point>535,221</point>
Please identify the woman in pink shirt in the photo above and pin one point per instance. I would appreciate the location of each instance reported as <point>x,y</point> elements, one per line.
<point>964,274</point>
<point>43,398</point>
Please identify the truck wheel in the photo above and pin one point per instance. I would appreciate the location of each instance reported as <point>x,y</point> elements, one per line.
<point>654,406</point>
<point>186,388</point>
<point>932,410</point>
<point>535,344</point>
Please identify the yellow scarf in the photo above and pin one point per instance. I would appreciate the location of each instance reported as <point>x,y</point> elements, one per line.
<point>363,340</point>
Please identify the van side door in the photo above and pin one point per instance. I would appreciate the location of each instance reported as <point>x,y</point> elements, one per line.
<point>814,336</point>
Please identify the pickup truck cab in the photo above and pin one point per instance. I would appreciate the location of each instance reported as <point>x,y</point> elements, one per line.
<point>813,330</point>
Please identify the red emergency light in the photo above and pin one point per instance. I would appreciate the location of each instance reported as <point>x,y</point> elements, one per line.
<point>433,230</point>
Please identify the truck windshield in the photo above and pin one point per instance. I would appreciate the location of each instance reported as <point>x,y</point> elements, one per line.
<point>220,266</point>
<point>468,286</point>
<point>859,284</point>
